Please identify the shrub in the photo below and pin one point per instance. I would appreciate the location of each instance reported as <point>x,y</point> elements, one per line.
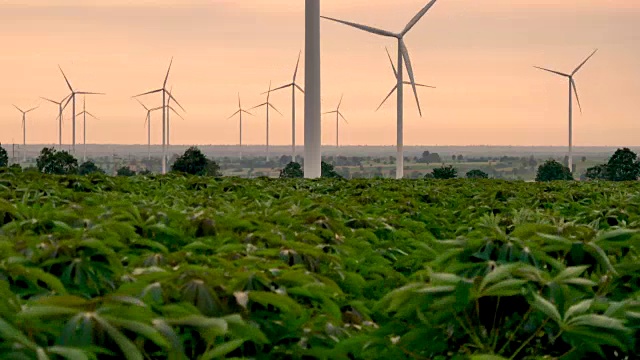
<point>4,157</point>
<point>445,173</point>
<point>477,174</point>
<point>89,167</point>
<point>293,170</point>
<point>552,170</point>
<point>125,171</point>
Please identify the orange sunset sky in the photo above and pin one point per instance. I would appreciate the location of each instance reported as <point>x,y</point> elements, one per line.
<point>478,53</point>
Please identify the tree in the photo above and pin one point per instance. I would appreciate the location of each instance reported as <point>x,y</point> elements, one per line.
<point>328,171</point>
<point>293,170</point>
<point>125,171</point>
<point>477,174</point>
<point>623,166</point>
<point>552,170</point>
<point>194,162</point>
<point>445,172</point>
<point>89,167</point>
<point>56,162</point>
<point>598,172</point>
<point>460,158</point>
<point>584,159</point>
<point>4,157</point>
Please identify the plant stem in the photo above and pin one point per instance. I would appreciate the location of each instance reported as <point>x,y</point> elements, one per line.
<point>513,335</point>
<point>524,344</point>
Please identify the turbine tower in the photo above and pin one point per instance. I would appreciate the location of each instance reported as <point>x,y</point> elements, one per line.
<point>572,90</point>
<point>338,116</point>
<point>168,113</point>
<point>165,93</point>
<point>72,98</point>
<point>60,110</point>
<point>84,114</point>
<point>294,86</point>
<point>24,129</point>
<point>267,105</point>
<point>147,123</point>
<point>312,103</point>
<point>403,57</point>
<point>240,112</point>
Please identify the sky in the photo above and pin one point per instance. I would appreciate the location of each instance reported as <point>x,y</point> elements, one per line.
<point>478,54</point>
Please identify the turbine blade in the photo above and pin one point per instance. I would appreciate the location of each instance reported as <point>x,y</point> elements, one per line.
<point>575,91</point>
<point>140,102</point>
<point>246,112</point>
<point>340,103</point>
<point>299,88</point>
<point>364,27</point>
<point>175,112</point>
<point>68,101</point>
<point>295,73</point>
<point>49,100</point>
<point>407,60</point>
<point>388,96</point>
<point>149,92</point>
<point>234,114</point>
<point>329,112</point>
<point>257,106</point>
<point>93,116</point>
<point>584,62</point>
<point>65,78</point>
<point>418,16</point>
<point>146,119</point>
<point>174,99</point>
<point>30,110</point>
<point>239,105</point>
<point>89,93</point>
<point>343,118</point>
<point>552,71</point>
<point>393,66</point>
<point>274,108</point>
<point>167,77</point>
<point>278,88</point>
<point>18,109</point>
<point>420,85</point>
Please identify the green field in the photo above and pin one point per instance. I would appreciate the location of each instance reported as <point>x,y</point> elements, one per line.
<point>173,267</point>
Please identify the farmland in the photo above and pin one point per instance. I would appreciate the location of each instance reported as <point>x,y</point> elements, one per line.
<point>174,267</point>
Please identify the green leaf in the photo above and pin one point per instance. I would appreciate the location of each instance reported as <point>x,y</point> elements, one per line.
<point>498,274</point>
<point>222,350</point>
<point>543,305</point>
<point>282,302</point>
<point>597,321</point>
<point>570,272</point>
<point>578,309</point>
<point>68,352</point>
<point>129,349</point>
<point>9,332</point>
<point>618,235</point>
<point>509,287</point>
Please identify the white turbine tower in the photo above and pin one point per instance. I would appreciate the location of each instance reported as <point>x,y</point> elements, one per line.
<point>147,123</point>
<point>84,114</point>
<point>60,119</point>
<point>24,129</point>
<point>267,105</point>
<point>312,103</point>
<point>294,86</point>
<point>165,93</point>
<point>72,98</point>
<point>403,56</point>
<point>338,116</point>
<point>572,90</point>
<point>240,112</point>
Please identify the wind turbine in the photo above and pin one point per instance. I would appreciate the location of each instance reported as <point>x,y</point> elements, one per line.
<point>24,129</point>
<point>572,90</point>
<point>165,93</point>
<point>293,87</point>
<point>61,109</point>
<point>267,105</point>
<point>84,114</point>
<point>240,111</point>
<point>403,57</point>
<point>338,116</point>
<point>72,98</point>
